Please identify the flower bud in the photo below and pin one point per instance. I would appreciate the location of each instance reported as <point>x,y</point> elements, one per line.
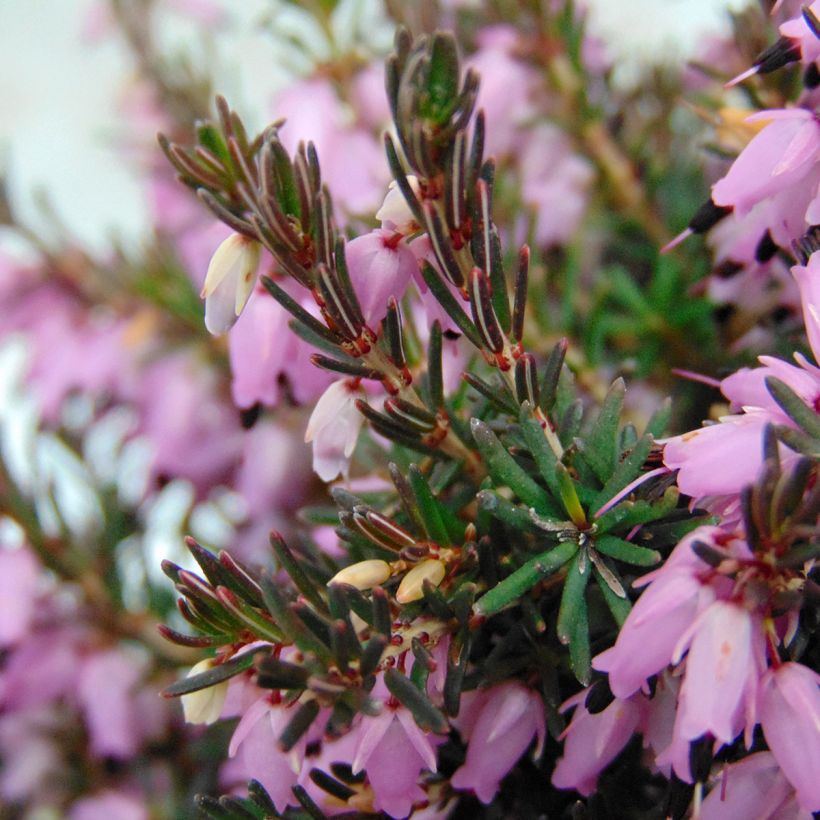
<point>411,586</point>
<point>204,705</point>
<point>229,282</point>
<point>363,575</point>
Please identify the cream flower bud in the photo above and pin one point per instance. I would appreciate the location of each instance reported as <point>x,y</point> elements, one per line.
<point>395,213</point>
<point>229,282</point>
<point>411,586</point>
<point>204,705</point>
<point>364,575</point>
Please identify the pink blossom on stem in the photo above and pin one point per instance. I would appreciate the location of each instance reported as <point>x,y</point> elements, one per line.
<point>593,741</point>
<point>723,667</point>
<point>790,717</point>
<point>380,266</point>
<point>510,716</point>
<point>754,787</point>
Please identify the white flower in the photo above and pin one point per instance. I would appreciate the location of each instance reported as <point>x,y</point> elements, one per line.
<point>395,213</point>
<point>204,705</point>
<point>229,282</point>
<point>334,428</point>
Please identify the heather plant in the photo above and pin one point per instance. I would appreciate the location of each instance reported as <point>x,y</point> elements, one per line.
<point>515,580</point>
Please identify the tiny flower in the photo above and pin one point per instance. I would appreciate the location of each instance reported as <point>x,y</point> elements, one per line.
<point>204,705</point>
<point>790,717</point>
<point>411,587</point>
<point>380,265</point>
<point>229,282</point>
<point>511,716</point>
<point>334,428</point>
<point>752,787</point>
<point>395,213</point>
<point>722,670</point>
<point>364,574</point>
<point>593,741</point>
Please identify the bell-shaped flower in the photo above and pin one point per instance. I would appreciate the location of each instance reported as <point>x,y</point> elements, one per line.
<point>229,282</point>
<point>333,428</point>
<point>593,741</point>
<point>752,787</point>
<point>723,668</point>
<point>395,214</point>
<point>394,751</point>
<point>790,716</point>
<point>380,266</point>
<point>662,614</point>
<point>510,716</point>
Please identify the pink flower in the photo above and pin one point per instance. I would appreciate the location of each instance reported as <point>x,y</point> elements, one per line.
<point>661,616</point>
<point>556,184</point>
<point>109,805</point>
<point>510,716</point>
<point>256,741</point>
<point>394,752</point>
<point>353,163</point>
<point>752,788</point>
<point>593,741</point>
<point>790,717</point>
<point>380,266</point>
<point>263,349</point>
<point>334,427</point>
<point>19,579</point>
<point>775,160</point>
<point>725,661</point>
<point>799,31</point>
<point>105,690</point>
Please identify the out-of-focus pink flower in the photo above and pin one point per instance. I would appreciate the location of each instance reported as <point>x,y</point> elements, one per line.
<point>105,690</point>
<point>263,349</point>
<point>510,716</point>
<point>555,184</point>
<point>506,88</point>
<point>752,788</point>
<point>109,805</point>
<point>353,165</point>
<point>725,661</point>
<point>31,757</point>
<point>790,717</point>
<point>380,266</point>
<point>334,427</point>
<point>192,433</point>
<point>592,741</point>
<point>19,579</point>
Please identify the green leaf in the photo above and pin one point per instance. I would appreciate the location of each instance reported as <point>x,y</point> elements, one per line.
<point>545,458</point>
<point>442,79</point>
<point>656,426</point>
<point>216,674</point>
<point>626,551</point>
<point>524,579</point>
<point>450,305</point>
<point>506,472</point>
<point>627,514</point>
<point>600,444</point>
<point>627,471</point>
<point>619,607</point>
<point>429,507</point>
<point>794,407</point>
<point>573,596</point>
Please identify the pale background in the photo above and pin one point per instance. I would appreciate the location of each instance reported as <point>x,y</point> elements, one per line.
<point>58,94</point>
